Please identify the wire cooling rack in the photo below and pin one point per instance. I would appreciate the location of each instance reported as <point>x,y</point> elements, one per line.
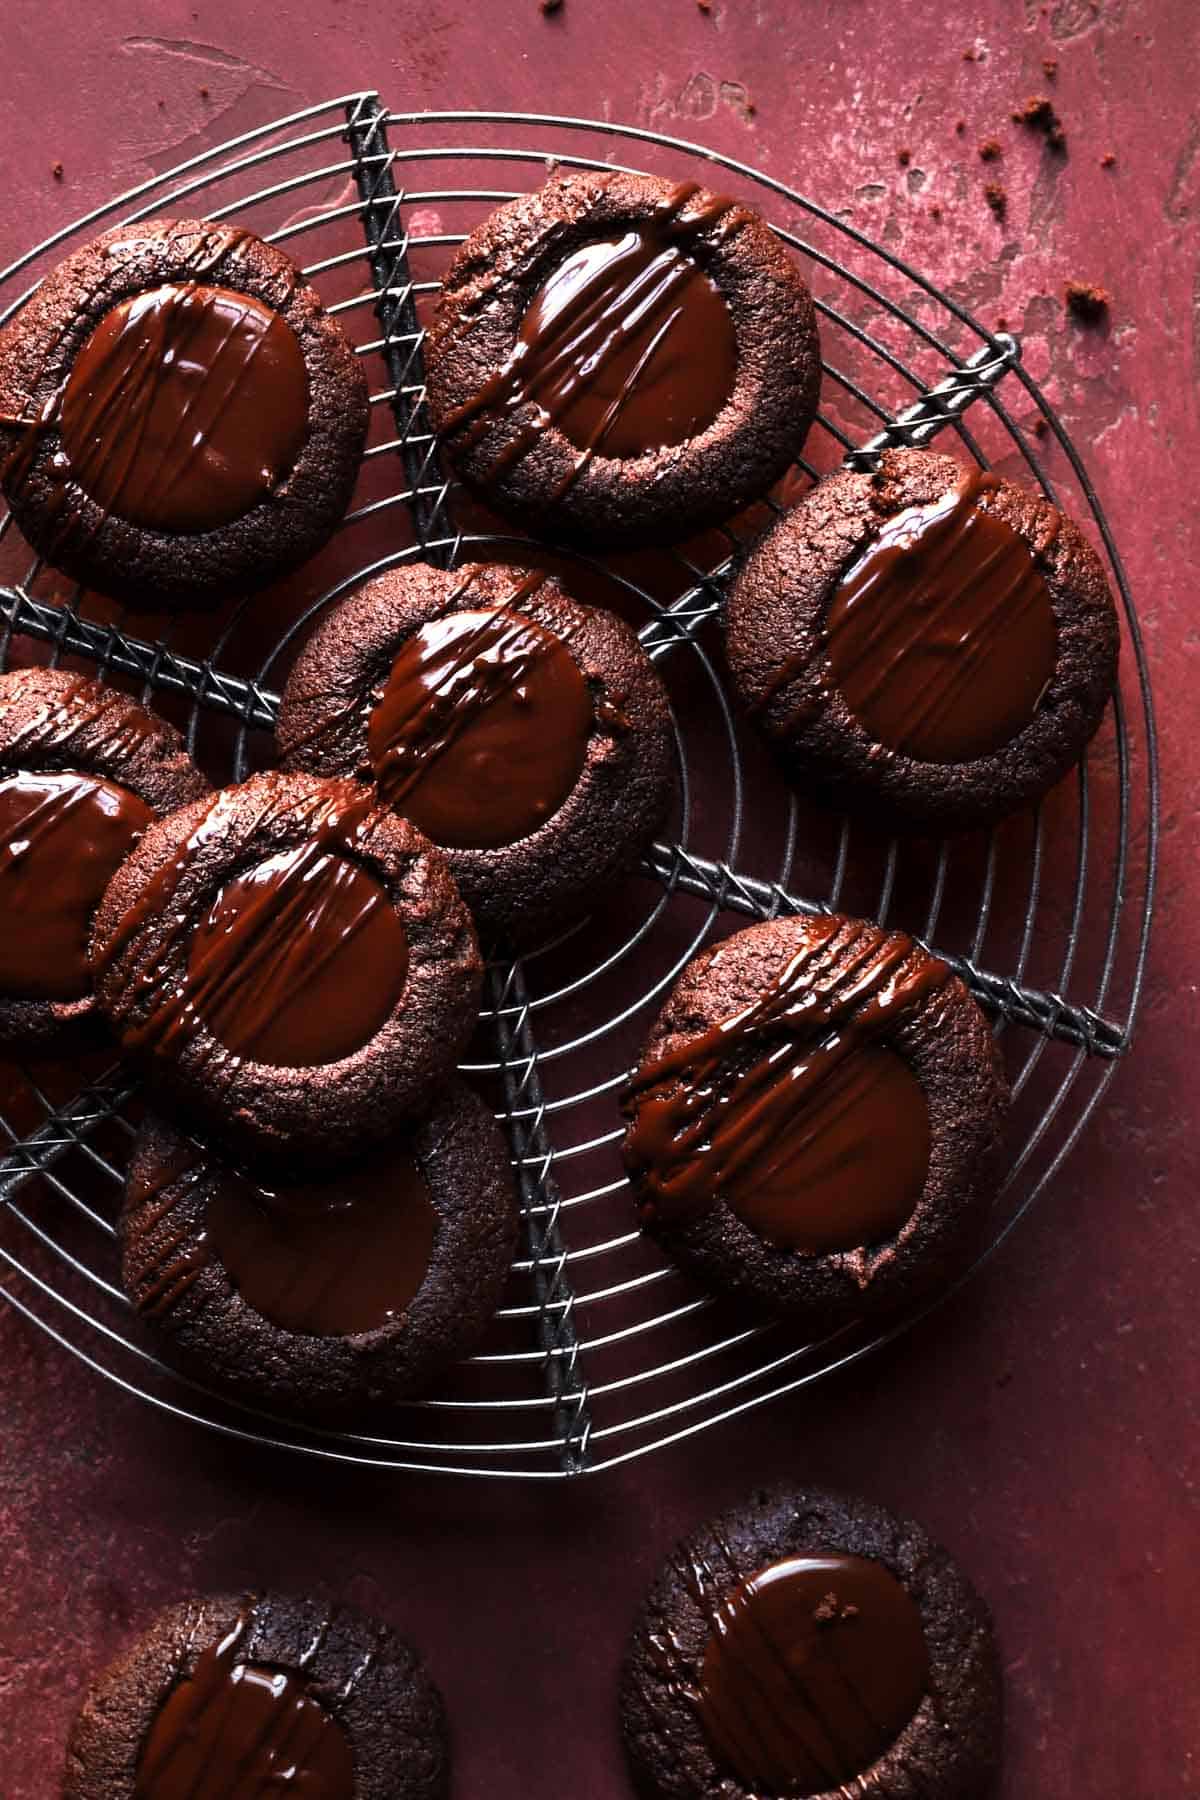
<point>602,1351</point>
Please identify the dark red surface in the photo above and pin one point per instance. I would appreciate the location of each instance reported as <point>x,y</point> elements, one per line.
<point>1045,1424</point>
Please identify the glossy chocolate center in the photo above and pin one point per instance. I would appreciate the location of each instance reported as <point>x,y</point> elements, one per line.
<point>481,730</point>
<point>814,1667</point>
<point>796,1111</point>
<point>629,346</point>
<point>300,960</point>
<point>848,1167</point>
<point>186,406</point>
<point>329,1261</point>
<point>941,636</point>
<point>238,1730</point>
<point>62,836</point>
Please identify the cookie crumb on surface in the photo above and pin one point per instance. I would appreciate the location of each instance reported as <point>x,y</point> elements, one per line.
<point>960,125</point>
<point>203,93</point>
<point>935,212</point>
<point>1040,426</point>
<point>1087,301</point>
<point>1108,159</point>
<point>996,196</point>
<point>990,150</point>
<point>550,6</point>
<point>1050,66</point>
<point>904,156</point>
<point>1039,114</point>
<point>56,169</point>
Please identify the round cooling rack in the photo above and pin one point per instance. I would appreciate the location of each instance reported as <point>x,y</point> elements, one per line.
<point>602,1351</point>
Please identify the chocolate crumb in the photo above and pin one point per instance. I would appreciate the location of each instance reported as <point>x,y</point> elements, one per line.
<point>970,54</point>
<point>56,169</point>
<point>1050,65</point>
<point>1086,301</point>
<point>1039,114</point>
<point>550,6</point>
<point>960,125</point>
<point>991,150</point>
<point>1108,159</point>
<point>1001,323</point>
<point>935,212</point>
<point>904,156</point>
<point>704,5</point>
<point>1040,426</point>
<point>831,1610</point>
<point>204,93</point>
<point>997,198</point>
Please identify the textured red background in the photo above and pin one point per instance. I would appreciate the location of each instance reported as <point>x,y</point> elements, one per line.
<point>1045,1424</point>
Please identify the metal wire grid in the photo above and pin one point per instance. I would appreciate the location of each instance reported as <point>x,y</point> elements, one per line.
<point>603,1353</point>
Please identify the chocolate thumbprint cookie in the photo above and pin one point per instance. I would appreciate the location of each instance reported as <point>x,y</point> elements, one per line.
<point>526,735</point>
<point>323,1298</point>
<point>291,963</point>
<point>253,1696</point>
<point>180,419</point>
<point>811,1646</point>
<point>616,359</point>
<point>928,642</point>
<point>815,1122</point>
<point>84,771</point>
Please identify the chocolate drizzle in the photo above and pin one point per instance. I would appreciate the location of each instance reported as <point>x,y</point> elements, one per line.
<point>177,1263</point>
<point>796,1111</point>
<point>941,636</point>
<point>813,1667</point>
<point>481,729</point>
<point>85,717</point>
<point>300,960</point>
<point>185,407</point>
<point>239,1730</point>
<point>61,837</point>
<point>627,348</point>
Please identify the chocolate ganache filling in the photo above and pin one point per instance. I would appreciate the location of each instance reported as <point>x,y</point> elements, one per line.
<point>481,729</point>
<point>186,407</point>
<point>797,1111</point>
<point>814,1666</point>
<point>238,1730</point>
<point>627,348</point>
<point>62,835</point>
<point>941,635</point>
<point>299,961</point>
<point>330,1261</point>
<point>334,1258</point>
